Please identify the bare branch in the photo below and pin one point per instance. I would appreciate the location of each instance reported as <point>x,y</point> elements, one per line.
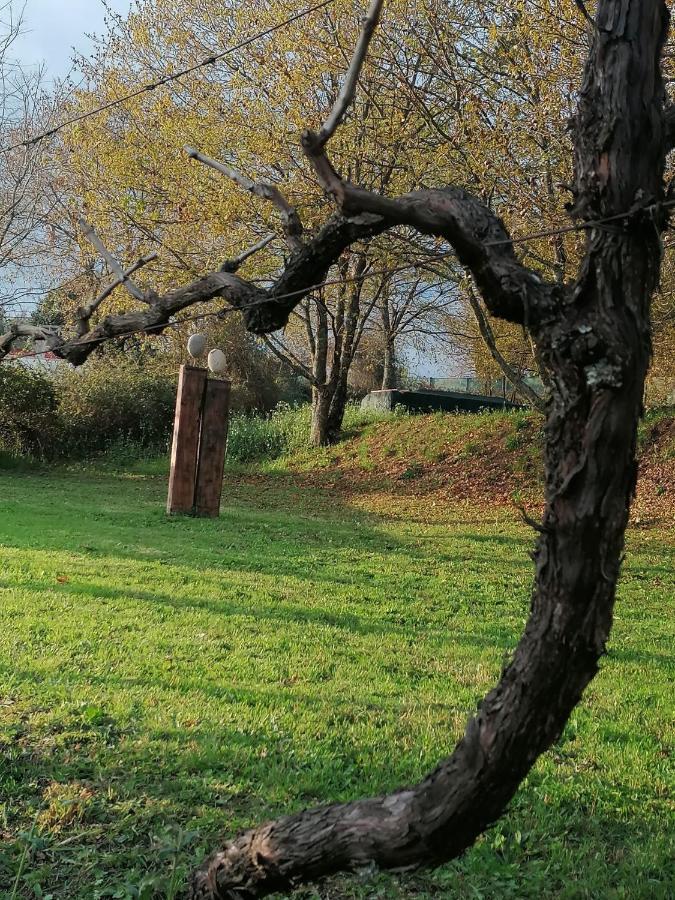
<point>264,309</point>
<point>288,358</point>
<point>290,220</point>
<point>480,239</point>
<point>348,90</point>
<point>510,289</point>
<point>114,265</point>
<point>85,313</point>
<point>232,265</point>
<point>44,333</point>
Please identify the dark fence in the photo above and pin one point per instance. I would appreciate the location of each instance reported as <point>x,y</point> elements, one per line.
<point>432,401</point>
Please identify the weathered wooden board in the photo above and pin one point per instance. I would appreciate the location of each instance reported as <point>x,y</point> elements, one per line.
<point>212,445</point>
<point>185,447</point>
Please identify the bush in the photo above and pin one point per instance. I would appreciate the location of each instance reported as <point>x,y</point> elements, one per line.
<point>107,404</point>
<point>126,409</point>
<point>28,418</point>
<point>252,438</point>
<point>285,431</point>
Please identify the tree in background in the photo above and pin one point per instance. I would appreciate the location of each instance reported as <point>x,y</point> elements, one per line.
<point>325,340</point>
<point>139,195</point>
<point>26,194</point>
<point>505,130</point>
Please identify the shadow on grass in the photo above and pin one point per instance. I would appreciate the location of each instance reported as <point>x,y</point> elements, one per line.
<point>220,780</point>
<point>498,637</point>
<point>310,540</point>
<point>218,777</point>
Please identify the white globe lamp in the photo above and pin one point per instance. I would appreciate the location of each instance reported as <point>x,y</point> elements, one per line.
<point>217,362</point>
<point>196,345</point>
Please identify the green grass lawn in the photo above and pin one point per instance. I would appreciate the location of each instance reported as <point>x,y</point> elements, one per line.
<point>163,682</point>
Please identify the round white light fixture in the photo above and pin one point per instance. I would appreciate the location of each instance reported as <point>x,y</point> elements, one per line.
<point>217,362</point>
<point>196,345</point>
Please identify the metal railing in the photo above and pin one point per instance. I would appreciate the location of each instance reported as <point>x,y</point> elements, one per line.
<point>487,387</point>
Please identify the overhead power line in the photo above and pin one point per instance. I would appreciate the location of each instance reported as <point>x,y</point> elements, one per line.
<point>167,79</point>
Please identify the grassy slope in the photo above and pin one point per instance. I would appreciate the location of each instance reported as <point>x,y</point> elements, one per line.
<point>166,680</point>
<point>418,465</point>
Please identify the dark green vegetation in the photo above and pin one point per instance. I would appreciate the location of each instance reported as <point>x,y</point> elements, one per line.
<point>165,681</point>
<point>124,409</point>
<point>108,405</point>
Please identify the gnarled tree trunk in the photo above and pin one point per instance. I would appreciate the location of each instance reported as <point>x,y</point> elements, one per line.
<point>594,338</point>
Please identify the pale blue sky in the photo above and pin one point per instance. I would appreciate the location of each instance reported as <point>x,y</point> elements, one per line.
<point>53,27</point>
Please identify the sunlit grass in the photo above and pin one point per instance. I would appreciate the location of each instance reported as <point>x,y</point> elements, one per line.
<point>165,681</point>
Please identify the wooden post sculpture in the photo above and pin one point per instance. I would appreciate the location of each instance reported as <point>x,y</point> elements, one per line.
<point>199,439</point>
<point>212,441</point>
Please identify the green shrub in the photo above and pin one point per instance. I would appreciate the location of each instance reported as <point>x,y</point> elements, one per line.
<point>125,409</point>
<point>253,438</point>
<point>108,405</point>
<point>28,418</point>
<point>285,430</point>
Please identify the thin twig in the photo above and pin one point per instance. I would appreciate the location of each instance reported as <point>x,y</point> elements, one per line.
<point>264,189</point>
<point>348,90</point>
<point>86,312</point>
<point>232,265</point>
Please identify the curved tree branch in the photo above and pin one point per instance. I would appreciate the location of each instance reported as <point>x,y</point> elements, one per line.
<point>84,313</point>
<point>511,290</point>
<point>264,309</point>
<point>45,333</point>
<point>292,226</point>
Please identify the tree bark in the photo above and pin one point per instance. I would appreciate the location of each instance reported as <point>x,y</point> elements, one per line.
<point>318,436</point>
<point>345,349</point>
<point>595,341</point>
<point>389,372</point>
<point>388,348</point>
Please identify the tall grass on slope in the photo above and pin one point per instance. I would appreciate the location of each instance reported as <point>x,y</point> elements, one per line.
<point>285,431</point>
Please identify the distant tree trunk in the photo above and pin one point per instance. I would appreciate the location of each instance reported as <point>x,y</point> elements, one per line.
<point>321,404</point>
<point>388,347</point>
<point>332,340</point>
<point>336,412</point>
<point>520,386</point>
<point>320,390</point>
<point>345,350</point>
<point>389,372</point>
<point>595,340</point>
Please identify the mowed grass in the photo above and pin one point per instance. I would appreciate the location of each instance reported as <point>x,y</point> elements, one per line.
<point>168,681</point>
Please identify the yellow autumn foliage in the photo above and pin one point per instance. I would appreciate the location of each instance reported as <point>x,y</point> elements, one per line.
<point>476,93</point>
